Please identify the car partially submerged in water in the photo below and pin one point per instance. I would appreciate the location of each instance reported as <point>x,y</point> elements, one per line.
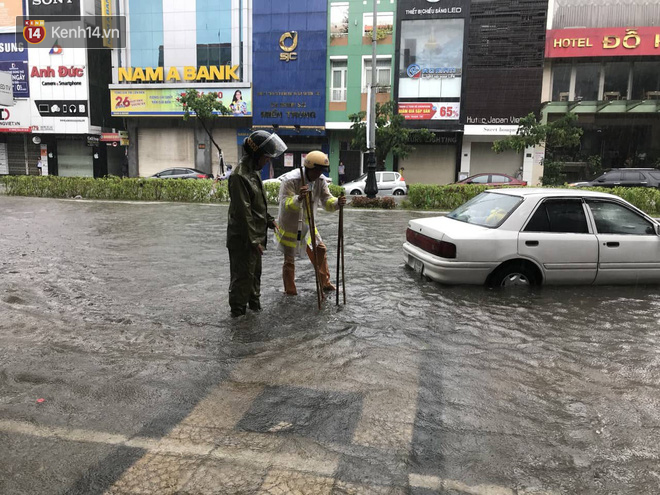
<point>537,236</point>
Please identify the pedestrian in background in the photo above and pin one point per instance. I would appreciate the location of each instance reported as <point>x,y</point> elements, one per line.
<point>249,221</point>
<point>342,173</point>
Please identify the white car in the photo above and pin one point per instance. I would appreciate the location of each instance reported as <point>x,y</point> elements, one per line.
<point>537,236</point>
<point>388,183</point>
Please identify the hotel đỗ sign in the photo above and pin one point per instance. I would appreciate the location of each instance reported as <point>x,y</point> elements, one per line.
<point>602,42</point>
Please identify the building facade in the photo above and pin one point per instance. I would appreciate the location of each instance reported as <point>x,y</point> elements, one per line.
<point>172,47</point>
<point>607,72</point>
<point>60,117</point>
<point>349,68</point>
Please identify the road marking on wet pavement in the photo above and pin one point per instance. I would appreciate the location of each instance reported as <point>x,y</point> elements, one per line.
<point>207,450</point>
<point>435,483</point>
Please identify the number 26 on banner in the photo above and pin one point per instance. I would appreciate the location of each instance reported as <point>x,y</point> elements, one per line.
<point>34,32</point>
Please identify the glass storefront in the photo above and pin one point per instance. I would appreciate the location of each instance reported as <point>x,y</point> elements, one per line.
<point>431,62</point>
<point>587,80</point>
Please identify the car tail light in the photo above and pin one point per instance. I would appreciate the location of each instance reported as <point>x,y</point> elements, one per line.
<point>201,176</point>
<point>430,245</point>
<point>524,183</point>
<point>401,178</point>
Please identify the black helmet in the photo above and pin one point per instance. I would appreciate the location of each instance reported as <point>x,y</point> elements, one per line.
<point>264,143</point>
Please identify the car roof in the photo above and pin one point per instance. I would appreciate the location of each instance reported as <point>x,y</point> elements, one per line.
<point>549,192</point>
<point>630,168</point>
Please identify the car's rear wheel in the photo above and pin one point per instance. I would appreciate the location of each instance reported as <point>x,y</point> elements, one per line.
<point>515,274</point>
<point>399,192</point>
<point>355,192</point>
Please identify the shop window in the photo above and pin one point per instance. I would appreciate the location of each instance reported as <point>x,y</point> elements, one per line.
<point>646,81</point>
<point>587,81</point>
<point>384,20</point>
<point>617,75</point>
<point>338,19</point>
<point>561,82</point>
<point>383,74</point>
<point>431,61</point>
<point>338,70</point>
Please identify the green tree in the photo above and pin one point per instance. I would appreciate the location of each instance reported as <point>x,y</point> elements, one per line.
<point>391,136</point>
<point>205,107</point>
<point>560,137</point>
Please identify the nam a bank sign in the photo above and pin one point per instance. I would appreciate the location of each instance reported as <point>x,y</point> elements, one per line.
<point>159,74</point>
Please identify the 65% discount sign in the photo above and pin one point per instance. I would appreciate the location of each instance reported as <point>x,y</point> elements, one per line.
<point>34,32</point>
<point>430,111</point>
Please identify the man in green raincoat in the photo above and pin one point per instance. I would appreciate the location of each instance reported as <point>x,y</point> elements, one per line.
<point>249,221</point>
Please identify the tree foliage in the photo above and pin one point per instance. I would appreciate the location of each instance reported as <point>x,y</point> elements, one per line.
<point>391,136</point>
<point>559,137</point>
<point>205,107</point>
<point>562,133</point>
<point>202,105</point>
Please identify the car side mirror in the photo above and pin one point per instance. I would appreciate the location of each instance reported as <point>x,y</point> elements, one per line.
<point>469,182</point>
<point>157,175</point>
<point>656,227</point>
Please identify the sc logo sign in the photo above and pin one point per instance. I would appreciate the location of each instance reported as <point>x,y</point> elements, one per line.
<point>287,49</point>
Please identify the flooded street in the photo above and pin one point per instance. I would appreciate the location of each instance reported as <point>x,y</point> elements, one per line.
<point>116,315</point>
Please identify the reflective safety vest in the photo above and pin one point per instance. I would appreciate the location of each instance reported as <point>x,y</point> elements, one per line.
<point>286,236</point>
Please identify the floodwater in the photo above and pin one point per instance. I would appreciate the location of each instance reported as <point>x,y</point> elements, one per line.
<point>122,372</point>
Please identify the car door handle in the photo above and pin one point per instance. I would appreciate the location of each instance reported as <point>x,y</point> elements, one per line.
<point>612,244</point>
<point>531,243</point>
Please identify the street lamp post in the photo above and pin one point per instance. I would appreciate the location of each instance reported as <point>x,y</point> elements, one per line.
<point>371,189</point>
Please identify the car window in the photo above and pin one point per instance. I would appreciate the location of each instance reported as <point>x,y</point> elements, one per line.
<point>632,176</point>
<point>388,176</point>
<point>500,178</point>
<point>167,172</point>
<point>655,175</point>
<point>611,176</point>
<point>613,218</point>
<point>559,216</point>
<point>480,179</point>
<point>180,171</point>
<point>486,209</point>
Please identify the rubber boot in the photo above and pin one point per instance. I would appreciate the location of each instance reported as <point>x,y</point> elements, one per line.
<point>289,276</point>
<point>322,263</point>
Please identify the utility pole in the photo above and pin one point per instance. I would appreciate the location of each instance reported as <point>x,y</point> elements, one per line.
<point>371,188</point>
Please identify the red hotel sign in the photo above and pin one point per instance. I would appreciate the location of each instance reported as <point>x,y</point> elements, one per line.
<point>602,42</point>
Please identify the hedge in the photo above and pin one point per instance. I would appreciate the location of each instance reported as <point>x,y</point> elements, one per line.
<point>447,198</point>
<point>115,188</point>
<point>420,196</point>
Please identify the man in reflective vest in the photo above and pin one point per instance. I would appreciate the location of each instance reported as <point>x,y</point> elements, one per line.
<point>292,234</point>
<point>249,221</point>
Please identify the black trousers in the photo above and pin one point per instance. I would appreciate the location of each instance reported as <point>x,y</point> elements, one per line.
<point>245,284</point>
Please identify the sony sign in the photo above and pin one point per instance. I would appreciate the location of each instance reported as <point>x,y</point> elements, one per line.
<point>54,7</point>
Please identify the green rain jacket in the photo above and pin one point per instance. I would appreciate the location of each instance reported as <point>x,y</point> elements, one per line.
<point>248,211</point>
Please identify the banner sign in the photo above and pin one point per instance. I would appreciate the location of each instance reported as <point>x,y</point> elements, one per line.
<point>290,51</point>
<point>602,42</point>
<point>14,59</point>
<point>59,92</point>
<point>159,102</point>
<point>430,111</point>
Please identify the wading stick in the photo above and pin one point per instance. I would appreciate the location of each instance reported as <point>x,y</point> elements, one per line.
<point>312,233</point>
<point>340,243</point>
<point>343,276</point>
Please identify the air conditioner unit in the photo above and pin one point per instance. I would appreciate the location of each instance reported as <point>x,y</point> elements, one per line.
<point>383,89</point>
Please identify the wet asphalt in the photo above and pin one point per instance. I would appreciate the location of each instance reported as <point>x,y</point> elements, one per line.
<point>122,372</point>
